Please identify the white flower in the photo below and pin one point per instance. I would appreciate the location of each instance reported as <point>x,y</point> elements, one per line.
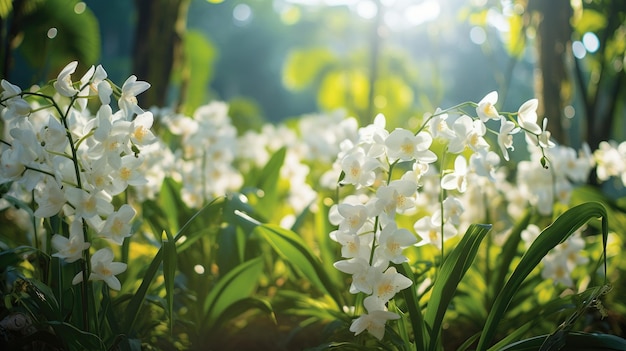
<point>486,109</point>
<point>527,119</point>
<point>118,225</point>
<point>63,84</point>
<point>129,173</point>
<point>555,267</point>
<point>439,127</point>
<point>50,199</point>
<point>456,180</point>
<point>452,211</point>
<point>544,138</point>
<point>430,232</point>
<point>385,286</point>
<point>405,146</point>
<point>374,322</point>
<point>468,133</point>
<point>140,132</point>
<point>350,217</point>
<point>358,168</point>
<point>611,162</point>
<point>103,268</point>
<point>398,196</point>
<point>361,272</point>
<point>529,234</point>
<point>484,164</point>
<point>505,136</point>
<point>15,105</point>
<point>352,245</point>
<point>392,241</point>
<point>87,205</point>
<point>70,249</point>
<point>128,99</point>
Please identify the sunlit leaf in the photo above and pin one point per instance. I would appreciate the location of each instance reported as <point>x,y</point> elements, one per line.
<point>294,251</point>
<point>344,89</point>
<point>303,67</point>
<point>516,40</point>
<point>268,181</point>
<point>200,54</point>
<point>566,224</point>
<point>452,271</point>
<point>231,288</point>
<point>134,306</point>
<point>6,6</point>
<point>590,21</point>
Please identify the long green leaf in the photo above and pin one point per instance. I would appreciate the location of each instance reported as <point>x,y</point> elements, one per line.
<point>294,251</point>
<point>169,273</point>
<point>556,233</point>
<point>233,287</point>
<point>134,306</point>
<point>575,341</point>
<point>415,312</point>
<point>268,182</point>
<point>452,271</point>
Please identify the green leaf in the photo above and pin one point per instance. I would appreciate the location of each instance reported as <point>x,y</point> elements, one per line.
<point>291,248</point>
<point>169,273</point>
<point>6,6</point>
<point>415,311</point>
<point>231,288</point>
<point>303,67</point>
<point>268,182</point>
<point>556,233</point>
<point>200,55</point>
<point>243,305</point>
<point>134,306</point>
<point>508,253</point>
<point>78,36</point>
<point>76,338</point>
<point>575,341</point>
<point>452,271</point>
<point>590,21</point>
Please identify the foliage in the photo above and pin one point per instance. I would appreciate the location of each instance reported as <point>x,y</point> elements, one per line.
<point>468,228</point>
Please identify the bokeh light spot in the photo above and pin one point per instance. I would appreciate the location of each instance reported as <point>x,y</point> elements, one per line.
<point>52,33</point>
<point>80,7</point>
<point>579,49</point>
<point>242,14</point>
<point>569,111</point>
<point>366,9</point>
<point>424,12</point>
<point>591,42</point>
<point>199,269</point>
<point>477,35</point>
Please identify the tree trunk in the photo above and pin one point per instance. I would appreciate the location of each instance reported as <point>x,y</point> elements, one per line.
<point>552,84</point>
<point>161,26</point>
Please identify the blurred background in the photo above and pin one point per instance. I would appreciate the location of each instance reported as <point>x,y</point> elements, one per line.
<point>273,60</point>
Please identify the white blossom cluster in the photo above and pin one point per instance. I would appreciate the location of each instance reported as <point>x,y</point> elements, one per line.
<point>395,174</point>
<point>75,163</point>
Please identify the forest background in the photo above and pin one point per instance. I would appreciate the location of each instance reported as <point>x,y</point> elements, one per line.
<point>276,59</point>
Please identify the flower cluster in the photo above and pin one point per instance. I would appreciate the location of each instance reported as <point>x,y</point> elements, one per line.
<point>75,163</point>
<point>402,173</point>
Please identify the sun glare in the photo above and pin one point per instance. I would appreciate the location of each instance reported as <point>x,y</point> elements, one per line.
<point>398,15</point>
